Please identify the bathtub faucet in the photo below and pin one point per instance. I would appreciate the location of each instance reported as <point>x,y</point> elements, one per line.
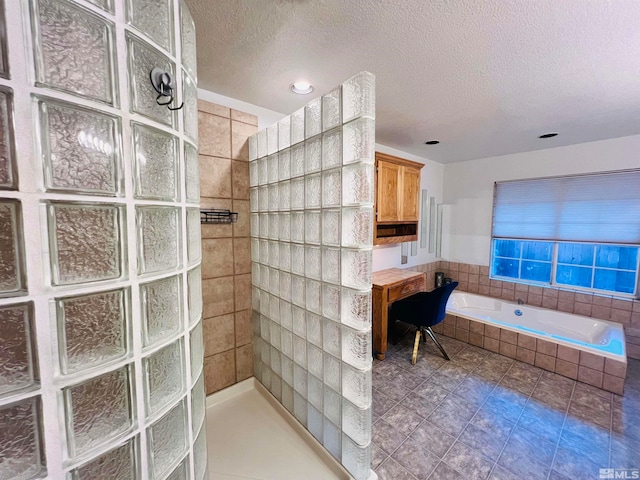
<point>520,301</point>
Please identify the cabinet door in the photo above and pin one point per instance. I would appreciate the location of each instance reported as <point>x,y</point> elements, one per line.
<point>388,190</point>
<point>409,201</point>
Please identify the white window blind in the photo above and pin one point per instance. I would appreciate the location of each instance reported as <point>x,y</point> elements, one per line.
<point>603,207</point>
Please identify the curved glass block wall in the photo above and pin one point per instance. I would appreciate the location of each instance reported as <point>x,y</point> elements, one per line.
<point>312,186</point>
<point>100,299</point>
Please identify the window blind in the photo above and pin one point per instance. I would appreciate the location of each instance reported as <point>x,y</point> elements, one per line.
<point>598,208</point>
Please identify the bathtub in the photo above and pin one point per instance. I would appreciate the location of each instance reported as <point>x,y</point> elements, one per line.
<point>582,348</point>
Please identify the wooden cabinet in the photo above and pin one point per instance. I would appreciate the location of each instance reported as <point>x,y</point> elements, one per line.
<point>397,193</point>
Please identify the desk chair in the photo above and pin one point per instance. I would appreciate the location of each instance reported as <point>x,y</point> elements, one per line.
<point>424,310</point>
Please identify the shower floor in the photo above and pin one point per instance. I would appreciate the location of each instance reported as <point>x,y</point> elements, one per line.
<point>251,436</point>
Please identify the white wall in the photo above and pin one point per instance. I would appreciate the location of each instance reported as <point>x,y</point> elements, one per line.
<point>431,179</point>
<point>468,187</point>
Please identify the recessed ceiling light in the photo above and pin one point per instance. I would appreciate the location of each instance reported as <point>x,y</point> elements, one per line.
<point>301,88</point>
<point>548,135</point>
<point>432,142</point>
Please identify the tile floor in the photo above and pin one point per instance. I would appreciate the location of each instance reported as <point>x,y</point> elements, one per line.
<point>482,415</point>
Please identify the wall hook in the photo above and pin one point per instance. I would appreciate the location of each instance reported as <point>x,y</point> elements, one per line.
<point>162,83</point>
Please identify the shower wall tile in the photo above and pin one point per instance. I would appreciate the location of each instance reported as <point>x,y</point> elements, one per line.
<point>240,133</point>
<point>240,179</point>
<point>220,371</point>
<point>213,135</point>
<point>217,296</point>
<point>18,354</point>
<point>244,362</point>
<point>217,256</point>
<point>20,435</point>
<point>219,335</point>
<point>244,117</point>
<point>215,176</point>
<point>8,172</point>
<point>242,255</point>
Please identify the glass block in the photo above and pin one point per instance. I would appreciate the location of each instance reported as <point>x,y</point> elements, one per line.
<point>264,302</point>
<point>253,148</point>
<point>254,200</point>
<point>263,205</point>
<point>331,301</point>
<point>285,227</point>
<point>315,393</point>
<point>80,148</point>
<point>314,296</point>
<point>161,303</point>
<point>18,354</point>
<point>313,155</point>
<point>192,173</point>
<point>274,204</point>
<point>284,165</point>
<point>285,257</point>
<point>300,351</point>
<point>188,34</point>
<point>198,405</point>
<point>314,422</point>
<point>331,227</point>
<point>297,259</point>
<point>287,368</point>
<point>312,262</point>
<point>253,173</point>
<point>299,321</point>
<point>8,171</point>
<point>194,286</point>
<point>331,109</point>
<point>158,238</point>
<point>196,347</point>
<point>163,377</point>
<point>274,232</point>
<point>332,439</point>
<point>284,133</point>
<point>75,51</point>
<point>331,265</point>
<point>273,167</point>
<point>85,242</point>
<point>142,59</point>
<point>98,410</point>
<point>264,250</point>
<point>275,342</point>
<point>167,440</point>
<point>180,472</point>
<point>286,319</point>
<point>287,396</point>
<point>356,268</point>
<point>297,227</point>
<point>357,227</point>
<point>331,188</point>
<point>357,185</point>
<point>313,191</point>
<point>313,118</point>
<point>356,385</point>
<point>297,160</point>
<point>262,143</point>
<point>276,386</point>
<point>154,18</point>
<point>285,286</point>
<point>332,372</point>
<point>356,459</point>
<point>332,406</point>
<point>332,149</point>
<point>255,227</point>
<point>12,268</point>
<point>314,329</point>
<point>265,332</point>
<point>274,305</point>
<point>194,245</point>
<point>314,361</point>
<point>312,231</point>
<point>255,301</point>
<point>106,5</point>
<point>356,347</point>
<point>272,139</point>
<point>155,155</point>
<point>297,193</point>
<point>190,99</point>
<point>92,329</point>
<point>359,97</point>
<point>284,196</point>
<point>264,225</point>
<point>286,342</point>
<point>356,308</point>
<point>21,448</point>
<point>358,141</point>
<point>255,274</point>
<point>331,338</point>
<point>297,126</point>
<point>121,463</point>
<point>263,171</point>
<point>200,455</point>
<point>300,408</point>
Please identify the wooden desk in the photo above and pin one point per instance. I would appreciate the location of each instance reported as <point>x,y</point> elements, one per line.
<point>388,286</point>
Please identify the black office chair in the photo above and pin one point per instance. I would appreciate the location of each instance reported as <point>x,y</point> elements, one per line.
<point>424,310</point>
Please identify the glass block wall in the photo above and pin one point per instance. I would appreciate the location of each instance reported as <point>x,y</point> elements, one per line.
<point>311,198</point>
<point>100,300</point>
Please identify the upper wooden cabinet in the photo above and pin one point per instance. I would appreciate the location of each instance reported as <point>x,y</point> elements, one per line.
<point>397,192</point>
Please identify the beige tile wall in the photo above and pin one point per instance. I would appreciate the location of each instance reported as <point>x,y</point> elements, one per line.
<point>226,256</point>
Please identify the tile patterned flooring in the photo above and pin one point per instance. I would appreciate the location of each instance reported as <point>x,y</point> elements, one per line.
<point>485,416</point>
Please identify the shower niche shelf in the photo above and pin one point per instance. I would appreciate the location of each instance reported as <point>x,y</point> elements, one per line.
<point>214,215</point>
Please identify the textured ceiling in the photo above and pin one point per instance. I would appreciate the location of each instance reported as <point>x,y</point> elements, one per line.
<point>485,77</point>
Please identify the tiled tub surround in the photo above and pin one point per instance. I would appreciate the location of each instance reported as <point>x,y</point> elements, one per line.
<point>311,178</point>
<point>587,364</point>
<point>100,301</point>
<point>486,416</point>
<point>475,279</point>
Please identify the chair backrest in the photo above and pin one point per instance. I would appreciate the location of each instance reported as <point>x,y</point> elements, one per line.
<point>424,308</point>
<point>443,294</point>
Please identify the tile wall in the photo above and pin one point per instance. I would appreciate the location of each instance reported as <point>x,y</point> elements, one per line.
<point>226,255</point>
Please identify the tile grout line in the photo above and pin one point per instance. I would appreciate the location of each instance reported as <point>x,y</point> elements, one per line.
<point>564,421</point>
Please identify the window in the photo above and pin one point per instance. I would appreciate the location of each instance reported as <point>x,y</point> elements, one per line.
<point>581,232</point>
